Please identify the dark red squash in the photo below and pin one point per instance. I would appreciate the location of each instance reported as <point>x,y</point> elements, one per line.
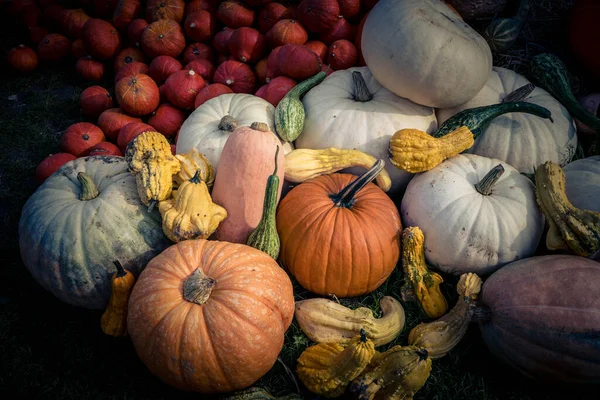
<point>235,14</point>
<point>112,120</point>
<point>318,15</point>
<point>89,69</point>
<point>162,67</point>
<point>78,139</point>
<point>202,67</point>
<point>197,51</point>
<point>298,62</point>
<point>127,56</point>
<point>165,9</point>
<point>101,39</point>
<point>137,95</point>
<point>368,4</point>
<point>163,37</point>
<point>30,15</point>
<point>167,119</point>
<point>260,70</point>
<point>221,40</point>
<point>197,5</point>
<point>200,26</point>
<point>94,100</point>
<point>273,64</point>
<point>342,55</point>
<point>210,92</point>
<point>135,30</point>
<point>358,41</point>
<point>247,45</point>
<point>78,49</point>
<point>125,12</point>
<point>22,58</point>
<point>237,75</point>
<point>270,14</point>
<point>182,87</point>
<point>37,33</point>
<point>319,48</point>
<point>104,8</point>
<point>73,22</point>
<point>584,35</point>
<point>287,31</point>
<point>53,47</point>
<point>341,30</point>
<point>276,89</point>
<point>129,132</point>
<point>51,164</point>
<point>105,149</point>
<point>541,315</point>
<point>349,8</point>
<point>133,68</point>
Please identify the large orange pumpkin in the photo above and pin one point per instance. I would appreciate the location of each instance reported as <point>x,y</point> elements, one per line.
<point>210,316</point>
<point>339,234</point>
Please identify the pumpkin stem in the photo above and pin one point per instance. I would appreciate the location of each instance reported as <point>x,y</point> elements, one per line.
<point>259,126</point>
<point>481,314</point>
<point>519,94</point>
<point>196,178</point>
<point>361,91</point>
<point>423,354</point>
<point>228,123</point>
<point>363,335</point>
<point>345,198</point>
<point>197,287</point>
<point>484,186</point>
<point>89,190</point>
<point>120,270</point>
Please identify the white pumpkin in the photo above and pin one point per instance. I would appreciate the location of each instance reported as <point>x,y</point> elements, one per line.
<point>521,140</point>
<point>465,230</point>
<point>335,118</point>
<point>583,183</point>
<point>203,129</point>
<point>424,51</point>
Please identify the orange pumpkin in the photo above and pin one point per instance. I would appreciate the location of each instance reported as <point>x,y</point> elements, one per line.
<point>339,234</point>
<point>210,316</point>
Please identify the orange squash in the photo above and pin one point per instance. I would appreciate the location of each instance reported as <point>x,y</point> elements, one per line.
<point>339,234</point>
<point>210,316</point>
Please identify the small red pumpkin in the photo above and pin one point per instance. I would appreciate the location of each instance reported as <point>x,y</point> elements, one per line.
<point>182,87</point>
<point>349,8</point>
<point>125,12</point>
<point>198,5</point>
<point>202,67</point>
<point>94,101</point>
<point>167,119</point>
<point>22,58</point>
<point>318,15</point>
<point>237,75</point>
<point>341,30</point>
<point>273,64</point>
<point>210,92</point>
<point>137,95</point>
<point>165,9</point>
<point>129,132</point>
<point>200,26</point>
<point>270,14</point>
<point>133,68</point>
<point>319,48</point>
<point>89,69</point>
<point>135,30</point>
<point>287,31</point>
<point>112,120</point>
<point>78,49</point>
<point>51,164</point>
<point>342,55</point>
<point>198,51</point>
<point>234,14</point>
<point>247,45</point>
<point>162,67</point>
<point>101,39</point>
<point>298,62</point>
<point>260,70</point>
<point>127,56</point>
<point>276,89</point>
<point>53,47</point>
<point>163,37</point>
<point>78,139</point>
<point>74,20</point>
<point>221,40</point>
<point>163,94</point>
<point>105,149</point>
<point>37,33</point>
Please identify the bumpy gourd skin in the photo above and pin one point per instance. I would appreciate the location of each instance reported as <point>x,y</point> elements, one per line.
<point>324,320</point>
<point>150,159</point>
<point>190,163</point>
<point>191,214</point>
<point>416,151</point>
<point>443,334</point>
<point>327,368</point>
<point>396,374</point>
<point>304,164</point>
<point>256,393</point>
<point>114,319</point>
<point>422,283</point>
<point>569,227</point>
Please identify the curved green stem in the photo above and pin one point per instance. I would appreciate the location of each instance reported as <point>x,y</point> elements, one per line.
<point>485,185</point>
<point>345,198</point>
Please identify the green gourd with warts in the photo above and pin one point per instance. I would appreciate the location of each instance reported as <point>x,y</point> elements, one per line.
<point>502,33</point>
<point>265,237</point>
<point>289,113</point>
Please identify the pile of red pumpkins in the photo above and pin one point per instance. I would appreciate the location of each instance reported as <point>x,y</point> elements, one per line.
<point>169,57</point>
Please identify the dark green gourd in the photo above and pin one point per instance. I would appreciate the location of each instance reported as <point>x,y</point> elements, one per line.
<point>502,33</point>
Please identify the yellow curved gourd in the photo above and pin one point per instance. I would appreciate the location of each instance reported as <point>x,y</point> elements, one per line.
<point>192,162</point>
<point>114,319</point>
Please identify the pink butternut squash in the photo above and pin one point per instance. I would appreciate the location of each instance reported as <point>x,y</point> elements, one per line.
<point>244,167</point>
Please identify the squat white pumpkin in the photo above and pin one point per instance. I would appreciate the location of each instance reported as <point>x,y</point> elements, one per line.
<point>473,221</point>
<point>583,183</point>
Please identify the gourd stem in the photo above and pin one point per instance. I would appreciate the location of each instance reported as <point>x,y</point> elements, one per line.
<point>423,354</point>
<point>363,335</point>
<point>151,205</point>
<point>361,91</point>
<point>520,93</point>
<point>196,178</point>
<point>228,123</point>
<point>276,155</point>
<point>197,287</point>
<point>345,198</point>
<point>259,126</point>
<point>120,270</point>
<point>269,212</point>
<point>481,314</point>
<point>89,190</point>
<point>485,185</point>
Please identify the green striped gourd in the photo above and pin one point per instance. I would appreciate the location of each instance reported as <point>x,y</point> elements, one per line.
<point>502,33</point>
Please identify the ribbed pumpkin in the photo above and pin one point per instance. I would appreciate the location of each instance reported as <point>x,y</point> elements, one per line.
<point>89,69</point>
<point>327,227</point>
<point>541,317</point>
<point>200,26</point>
<point>53,47</point>
<point>349,8</point>
<point>112,120</point>
<point>202,67</point>
<point>273,64</point>
<point>286,31</point>
<point>94,100</point>
<point>210,316</point>
<point>71,253</point>
<point>247,45</point>
<point>319,48</point>
<point>162,67</point>
<point>583,183</point>
<point>341,30</point>
<point>137,95</point>
<point>270,14</point>
<point>125,12</point>
<point>165,9</point>
<point>298,62</point>
<point>22,58</point>
<point>74,21</point>
<point>237,75</point>
<point>105,149</point>
<point>101,39</point>
<point>219,42</point>
<point>197,5</point>
<point>318,15</point>
<point>167,119</point>
<point>342,54</point>
<point>163,37</point>
<point>182,87</point>
<point>197,51</point>
<point>234,14</point>
<point>135,30</point>
<point>51,164</point>
<point>209,92</point>
<point>78,139</point>
<point>131,69</point>
<point>127,56</point>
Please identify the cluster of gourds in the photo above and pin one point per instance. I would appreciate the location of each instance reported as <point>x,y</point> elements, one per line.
<point>291,184</point>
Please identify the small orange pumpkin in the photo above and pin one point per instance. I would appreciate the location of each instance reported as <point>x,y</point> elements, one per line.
<point>339,234</point>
